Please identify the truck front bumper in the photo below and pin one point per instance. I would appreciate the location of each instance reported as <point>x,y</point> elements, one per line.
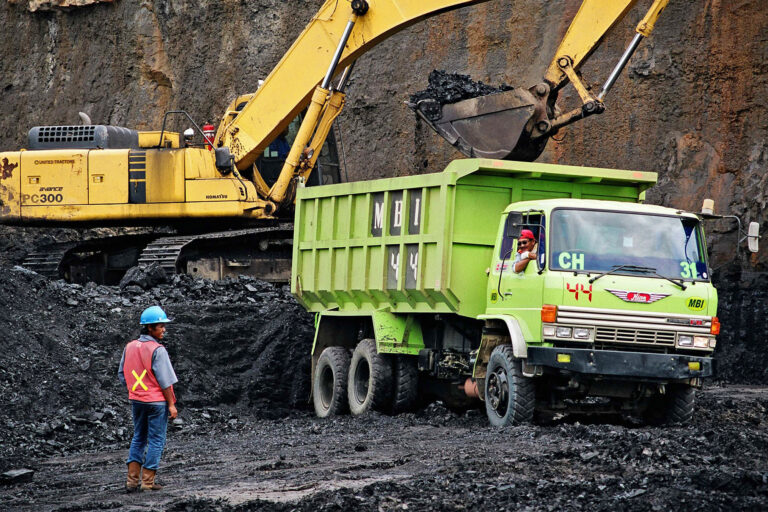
<point>621,364</point>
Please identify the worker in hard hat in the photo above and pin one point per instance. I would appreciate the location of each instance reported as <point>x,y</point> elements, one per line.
<point>146,371</point>
<point>526,250</point>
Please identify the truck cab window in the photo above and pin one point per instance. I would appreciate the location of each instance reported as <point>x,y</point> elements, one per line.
<point>532,221</point>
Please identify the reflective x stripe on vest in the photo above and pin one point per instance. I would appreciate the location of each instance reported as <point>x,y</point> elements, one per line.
<point>139,380</point>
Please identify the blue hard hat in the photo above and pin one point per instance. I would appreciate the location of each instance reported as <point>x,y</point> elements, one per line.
<point>154,315</point>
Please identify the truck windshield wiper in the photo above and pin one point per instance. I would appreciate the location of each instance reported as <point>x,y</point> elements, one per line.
<point>635,268</point>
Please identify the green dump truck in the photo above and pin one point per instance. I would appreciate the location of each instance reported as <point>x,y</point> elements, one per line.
<point>417,296</point>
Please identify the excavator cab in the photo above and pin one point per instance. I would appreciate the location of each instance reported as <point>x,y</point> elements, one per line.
<point>327,169</point>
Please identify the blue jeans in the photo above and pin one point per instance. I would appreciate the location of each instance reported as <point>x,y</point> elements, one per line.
<point>150,422</point>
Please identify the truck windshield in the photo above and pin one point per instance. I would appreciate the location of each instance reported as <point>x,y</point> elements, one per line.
<point>600,241</point>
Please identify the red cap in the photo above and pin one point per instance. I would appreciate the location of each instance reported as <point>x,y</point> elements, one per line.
<point>527,233</point>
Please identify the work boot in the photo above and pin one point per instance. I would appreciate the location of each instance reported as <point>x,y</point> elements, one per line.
<point>132,482</point>
<point>148,480</point>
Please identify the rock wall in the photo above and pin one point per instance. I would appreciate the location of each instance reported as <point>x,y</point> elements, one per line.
<point>691,105</point>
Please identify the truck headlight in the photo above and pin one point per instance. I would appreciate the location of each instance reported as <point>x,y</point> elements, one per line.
<point>701,341</point>
<point>684,341</point>
<point>548,331</point>
<point>581,333</point>
<point>564,332</point>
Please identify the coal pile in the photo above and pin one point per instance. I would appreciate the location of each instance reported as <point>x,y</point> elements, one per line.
<point>743,312</point>
<point>241,348</point>
<point>445,88</point>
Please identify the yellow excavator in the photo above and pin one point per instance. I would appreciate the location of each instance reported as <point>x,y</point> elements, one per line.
<point>230,194</point>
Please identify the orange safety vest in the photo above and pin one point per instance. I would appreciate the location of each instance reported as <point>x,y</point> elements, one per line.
<point>137,369</point>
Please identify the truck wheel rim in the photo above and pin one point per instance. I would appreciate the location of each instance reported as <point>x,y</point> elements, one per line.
<point>326,387</point>
<point>362,377</point>
<point>498,391</point>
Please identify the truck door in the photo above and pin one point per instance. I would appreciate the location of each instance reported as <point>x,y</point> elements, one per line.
<point>519,294</point>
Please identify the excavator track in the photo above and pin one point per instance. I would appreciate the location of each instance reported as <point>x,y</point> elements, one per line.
<point>263,252</point>
<point>46,262</point>
<point>165,252</point>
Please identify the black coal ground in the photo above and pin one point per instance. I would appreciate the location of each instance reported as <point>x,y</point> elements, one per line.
<point>241,347</point>
<point>432,460</point>
<point>246,439</point>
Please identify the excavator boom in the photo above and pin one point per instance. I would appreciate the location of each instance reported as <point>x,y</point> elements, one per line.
<point>289,87</point>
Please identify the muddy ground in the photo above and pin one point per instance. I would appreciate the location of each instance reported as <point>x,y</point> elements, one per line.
<point>432,460</point>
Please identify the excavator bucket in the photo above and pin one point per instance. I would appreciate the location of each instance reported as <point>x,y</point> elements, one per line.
<point>497,125</point>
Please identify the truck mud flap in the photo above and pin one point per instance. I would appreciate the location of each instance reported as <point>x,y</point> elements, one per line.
<point>622,364</point>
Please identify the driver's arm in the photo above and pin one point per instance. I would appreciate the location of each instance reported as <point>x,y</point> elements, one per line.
<point>526,256</point>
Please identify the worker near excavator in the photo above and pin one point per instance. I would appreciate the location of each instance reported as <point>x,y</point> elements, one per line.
<point>147,373</point>
<point>526,250</point>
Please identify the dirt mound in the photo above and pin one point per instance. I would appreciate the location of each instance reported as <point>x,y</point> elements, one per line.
<point>447,88</point>
<point>240,347</point>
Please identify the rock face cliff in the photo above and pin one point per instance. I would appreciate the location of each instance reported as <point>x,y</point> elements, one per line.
<point>690,106</point>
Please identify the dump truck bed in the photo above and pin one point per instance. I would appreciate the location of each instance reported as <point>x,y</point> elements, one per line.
<point>423,243</point>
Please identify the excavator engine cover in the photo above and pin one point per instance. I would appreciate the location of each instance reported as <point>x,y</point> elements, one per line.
<point>89,136</point>
<point>498,125</point>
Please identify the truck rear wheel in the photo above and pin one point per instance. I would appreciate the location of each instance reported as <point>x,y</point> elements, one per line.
<point>674,406</point>
<point>510,396</point>
<point>370,379</point>
<point>405,384</point>
<point>329,389</point>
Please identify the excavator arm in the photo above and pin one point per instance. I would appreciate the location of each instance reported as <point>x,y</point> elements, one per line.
<point>516,124</point>
<point>248,129</point>
<point>512,125</point>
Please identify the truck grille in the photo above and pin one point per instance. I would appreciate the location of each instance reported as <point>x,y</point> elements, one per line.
<point>648,337</point>
<point>633,329</point>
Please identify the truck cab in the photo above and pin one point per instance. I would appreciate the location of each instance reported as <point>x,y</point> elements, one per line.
<point>617,297</point>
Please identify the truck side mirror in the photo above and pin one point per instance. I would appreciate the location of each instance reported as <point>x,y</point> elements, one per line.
<point>223,160</point>
<point>753,235</point>
<point>514,225</point>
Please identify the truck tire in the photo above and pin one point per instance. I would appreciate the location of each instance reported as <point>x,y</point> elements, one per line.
<point>405,384</point>
<point>329,389</point>
<point>510,397</point>
<point>674,406</point>
<point>369,386</point>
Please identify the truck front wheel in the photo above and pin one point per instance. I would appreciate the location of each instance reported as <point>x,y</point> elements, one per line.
<point>329,389</point>
<point>510,396</point>
<point>674,406</point>
<point>370,379</point>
